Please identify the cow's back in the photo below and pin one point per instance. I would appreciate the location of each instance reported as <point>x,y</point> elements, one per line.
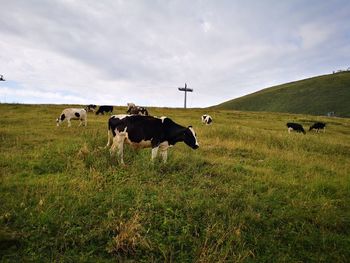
<point>137,127</point>
<point>71,111</point>
<point>104,108</point>
<point>143,128</point>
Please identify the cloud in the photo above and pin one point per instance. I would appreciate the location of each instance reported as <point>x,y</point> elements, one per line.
<point>206,26</point>
<point>9,95</point>
<point>114,52</point>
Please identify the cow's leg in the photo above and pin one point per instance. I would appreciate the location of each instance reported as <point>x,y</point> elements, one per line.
<point>109,138</point>
<point>289,129</point>
<point>118,141</point>
<point>154,152</point>
<point>121,151</point>
<point>69,124</point>
<point>164,154</point>
<point>83,122</point>
<point>324,129</point>
<point>113,146</point>
<point>164,151</point>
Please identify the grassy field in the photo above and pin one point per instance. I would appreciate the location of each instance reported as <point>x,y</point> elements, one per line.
<point>250,193</point>
<point>317,96</point>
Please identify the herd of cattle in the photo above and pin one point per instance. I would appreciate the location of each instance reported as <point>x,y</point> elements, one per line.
<point>132,109</point>
<point>141,130</point>
<point>138,129</point>
<point>299,128</point>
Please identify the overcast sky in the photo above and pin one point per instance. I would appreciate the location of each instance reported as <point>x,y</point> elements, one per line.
<point>116,51</point>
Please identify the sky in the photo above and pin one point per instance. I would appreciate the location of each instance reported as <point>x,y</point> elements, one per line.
<point>112,52</point>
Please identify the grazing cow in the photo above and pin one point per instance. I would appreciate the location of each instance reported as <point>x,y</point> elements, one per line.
<point>207,119</point>
<point>72,114</point>
<point>318,126</point>
<point>136,110</point>
<point>146,131</point>
<point>103,109</point>
<point>130,105</point>
<point>90,108</point>
<point>295,127</point>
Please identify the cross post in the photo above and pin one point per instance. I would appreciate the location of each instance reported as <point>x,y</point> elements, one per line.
<point>185,89</point>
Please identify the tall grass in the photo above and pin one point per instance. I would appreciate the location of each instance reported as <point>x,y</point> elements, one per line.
<point>250,193</point>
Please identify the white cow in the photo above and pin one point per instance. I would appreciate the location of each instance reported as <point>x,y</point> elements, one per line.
<point>207,119</point>
<point>72,114</point>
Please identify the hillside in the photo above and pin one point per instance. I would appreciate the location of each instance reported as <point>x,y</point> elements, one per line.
<point>252,192</point>
<point>316,96</point>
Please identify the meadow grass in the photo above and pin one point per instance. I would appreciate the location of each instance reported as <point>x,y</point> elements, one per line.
<point>250,193</point>
<point>316,96</point>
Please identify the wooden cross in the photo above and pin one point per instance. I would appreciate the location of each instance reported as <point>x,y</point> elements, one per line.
<point>185,89</point>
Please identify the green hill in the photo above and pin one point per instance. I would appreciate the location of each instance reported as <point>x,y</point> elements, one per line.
<point>316,96</point>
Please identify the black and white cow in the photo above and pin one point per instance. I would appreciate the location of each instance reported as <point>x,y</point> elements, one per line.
<point>318,126</point>
<point>72,114</point>
<point>103,109</point>
<point>137,110</point>
<point>90,108</point>
<point>207,119</point>
<point>295,127</point>
<point>147,132</point>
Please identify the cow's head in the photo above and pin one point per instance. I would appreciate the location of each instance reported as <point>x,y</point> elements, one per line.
<point>190,138</point>
<point>60,119</point>
<point>301,129</point>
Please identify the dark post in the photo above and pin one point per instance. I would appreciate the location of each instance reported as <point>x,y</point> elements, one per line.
<point>185,89</point>
<point>2,78</point>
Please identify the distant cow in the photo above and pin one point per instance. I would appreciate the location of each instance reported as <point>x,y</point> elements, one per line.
<point>72,114</point>
<point>90,108</point>
<point>130,104</point>
<point>295,127</point>
<point>318,126</point>
<point>136,110</point>
<point>103,109</point>
<point>207,119</point>
<point>146,131</point>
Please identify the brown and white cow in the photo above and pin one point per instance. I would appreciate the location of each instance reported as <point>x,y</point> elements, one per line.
<point>132,109</point>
